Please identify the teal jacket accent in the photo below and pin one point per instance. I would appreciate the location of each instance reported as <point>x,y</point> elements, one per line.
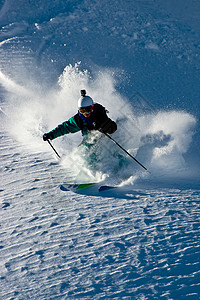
<point>66,127</point>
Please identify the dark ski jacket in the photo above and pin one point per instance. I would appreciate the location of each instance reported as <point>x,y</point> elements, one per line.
<point>97,120</point>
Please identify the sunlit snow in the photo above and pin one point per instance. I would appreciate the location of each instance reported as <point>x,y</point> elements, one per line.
<point>140,239</point>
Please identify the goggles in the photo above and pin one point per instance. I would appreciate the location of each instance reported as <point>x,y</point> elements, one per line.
<point>86,109</point>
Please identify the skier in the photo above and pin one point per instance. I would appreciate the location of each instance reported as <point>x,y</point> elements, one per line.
<point>91,116</point>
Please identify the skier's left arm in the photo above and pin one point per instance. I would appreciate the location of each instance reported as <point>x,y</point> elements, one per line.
<point>107,125</point>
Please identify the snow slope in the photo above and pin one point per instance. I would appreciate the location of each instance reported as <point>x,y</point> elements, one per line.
<point>140,59</point>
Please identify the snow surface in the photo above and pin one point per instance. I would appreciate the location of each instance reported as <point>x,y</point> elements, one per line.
<point>141,60</point>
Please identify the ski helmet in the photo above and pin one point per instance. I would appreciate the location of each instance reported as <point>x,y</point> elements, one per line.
<point>85,101</point>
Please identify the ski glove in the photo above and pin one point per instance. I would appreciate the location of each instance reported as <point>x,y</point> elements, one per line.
<point>108,126</point>
<point>46,136</point>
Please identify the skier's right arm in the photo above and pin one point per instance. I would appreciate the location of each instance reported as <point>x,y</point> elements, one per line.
<point>66,127</point>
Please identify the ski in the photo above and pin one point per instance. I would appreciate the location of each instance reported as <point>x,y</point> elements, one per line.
<point>78,187</point>
<point>75,187</point>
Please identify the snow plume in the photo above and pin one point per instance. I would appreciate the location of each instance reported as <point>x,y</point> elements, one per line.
<point>34,110</point>
<point>11,86</point>
<point>158,140</point>
<point>167,137</point>
<point>24,112</point>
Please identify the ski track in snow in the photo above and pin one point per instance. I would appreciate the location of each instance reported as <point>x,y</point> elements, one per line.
<point>60,245</point>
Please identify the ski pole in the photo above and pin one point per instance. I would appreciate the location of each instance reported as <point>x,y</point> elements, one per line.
<point>125,150</point>
<point>53,148</point>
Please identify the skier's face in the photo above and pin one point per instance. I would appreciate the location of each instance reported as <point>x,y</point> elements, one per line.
<point>87,114</point>
<point>86,111</point>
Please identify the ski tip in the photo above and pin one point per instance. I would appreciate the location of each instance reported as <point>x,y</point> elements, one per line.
<point>63,188</point>
<point>105,188</point>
